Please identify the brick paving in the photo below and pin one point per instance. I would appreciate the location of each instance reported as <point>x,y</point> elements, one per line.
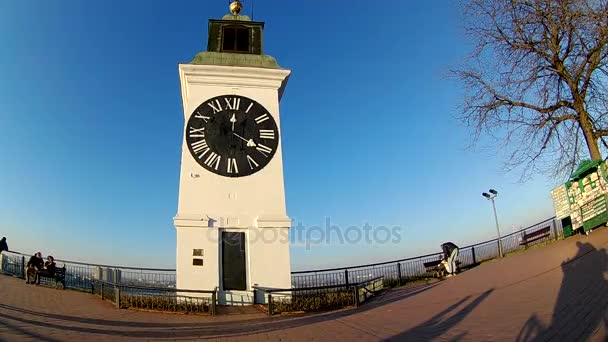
<point>557,292</point>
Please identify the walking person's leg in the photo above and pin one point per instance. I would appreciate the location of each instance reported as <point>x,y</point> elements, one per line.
<point>453,260</point>
<point>448,264</point>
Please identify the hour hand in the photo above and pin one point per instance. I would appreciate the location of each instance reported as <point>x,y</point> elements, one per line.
<point>233,120</point>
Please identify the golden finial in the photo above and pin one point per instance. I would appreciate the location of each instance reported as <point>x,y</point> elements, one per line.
<point>236,7</point>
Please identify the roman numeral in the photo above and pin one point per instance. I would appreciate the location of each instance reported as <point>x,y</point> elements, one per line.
<point>248,108</point>
<point>201,116</point>
<point>263,149</point>
<point>216,106</point>
<point>200,147</point>
<point>197,132</point>
<point>213,158</point>
<point>233,103</point>
<point>266,134</point>
<point>232,167</point>
<point>261,118</point>
<point>252,163</point>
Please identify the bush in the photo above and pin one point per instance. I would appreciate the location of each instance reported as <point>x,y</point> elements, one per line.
<point>314,301</point>
<point>165,303</point>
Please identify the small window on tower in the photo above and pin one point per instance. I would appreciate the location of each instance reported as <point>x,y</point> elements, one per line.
<point>235,39</point>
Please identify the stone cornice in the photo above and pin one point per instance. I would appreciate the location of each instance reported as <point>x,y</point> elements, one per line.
<point>230,76</point>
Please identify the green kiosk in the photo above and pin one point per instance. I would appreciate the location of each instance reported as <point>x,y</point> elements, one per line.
<point>581,204</point>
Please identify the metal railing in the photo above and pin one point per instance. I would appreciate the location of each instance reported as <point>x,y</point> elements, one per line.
<point>156,298</point>
<point>79,275</point>
<point>82,276</point>
<point>319,298</point>
<point>398,272</point>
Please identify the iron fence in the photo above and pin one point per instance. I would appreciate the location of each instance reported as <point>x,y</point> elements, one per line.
<point>398,272</point>
<point>13,264</point>
<point>84,276</point>
<point>156,298</point>
<point>80,275</point>
<point>319,298</point>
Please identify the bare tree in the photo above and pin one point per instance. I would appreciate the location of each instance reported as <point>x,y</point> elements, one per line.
<point>537,81</point>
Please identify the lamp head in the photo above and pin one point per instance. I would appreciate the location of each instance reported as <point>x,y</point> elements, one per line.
<point>486,195</point>
<point>494,192</point>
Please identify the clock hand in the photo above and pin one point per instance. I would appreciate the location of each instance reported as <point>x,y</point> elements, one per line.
<point>250,142</point>
<point>233,120</point>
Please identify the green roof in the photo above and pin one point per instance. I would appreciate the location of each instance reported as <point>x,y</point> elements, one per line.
<point>584,168</point>
<point>235,59</point>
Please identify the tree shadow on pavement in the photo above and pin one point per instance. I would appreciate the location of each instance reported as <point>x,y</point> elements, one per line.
<point>207,329</point>
<point>442,322</point>
<point>581,302</point>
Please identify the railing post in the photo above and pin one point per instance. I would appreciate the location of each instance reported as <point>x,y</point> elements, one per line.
<point>101,291</point>
<point>555,229</point>
<point>117,296</point>
<point>22,267</point>
<point>399,272</point>
<point>473,253</point>
<point>213,299</point>
<point>269,304</point>
<point>346,276</point>
<point>499,248</point>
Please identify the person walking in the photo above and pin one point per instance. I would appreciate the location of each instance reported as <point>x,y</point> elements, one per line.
<point>3,245</point>
<point>450,252</point>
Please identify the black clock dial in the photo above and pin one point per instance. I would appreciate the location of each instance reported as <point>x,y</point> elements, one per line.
<point>232,136</point>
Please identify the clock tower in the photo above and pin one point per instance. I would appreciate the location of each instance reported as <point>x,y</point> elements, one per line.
<point>231,222</point>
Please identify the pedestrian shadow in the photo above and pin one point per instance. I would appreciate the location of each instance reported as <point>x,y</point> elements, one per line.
<point>442,322</point>
<point>581,302</point>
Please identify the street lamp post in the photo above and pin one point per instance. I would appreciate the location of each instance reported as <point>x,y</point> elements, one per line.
<point>492,194</point>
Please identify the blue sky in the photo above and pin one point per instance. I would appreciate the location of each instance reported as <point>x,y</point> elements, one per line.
<point>91,127</point>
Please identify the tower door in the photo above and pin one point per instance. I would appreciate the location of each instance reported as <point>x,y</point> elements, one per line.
<point>234,274</point>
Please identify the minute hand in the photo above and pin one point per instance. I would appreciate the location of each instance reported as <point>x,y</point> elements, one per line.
<point>250,142</point>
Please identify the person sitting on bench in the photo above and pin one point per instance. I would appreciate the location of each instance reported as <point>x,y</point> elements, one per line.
<point>450,252</point>
<point>49,269</point>
<point>33,266</point>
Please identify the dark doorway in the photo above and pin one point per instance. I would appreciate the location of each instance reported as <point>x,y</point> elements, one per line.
<point>234,274</point>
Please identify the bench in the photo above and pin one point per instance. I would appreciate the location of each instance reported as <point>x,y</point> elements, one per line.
<point>535,235</point>
<point>435,267</point>
<point>58,277</point>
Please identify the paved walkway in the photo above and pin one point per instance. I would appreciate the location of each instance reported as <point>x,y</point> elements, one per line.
<point>558,292</point>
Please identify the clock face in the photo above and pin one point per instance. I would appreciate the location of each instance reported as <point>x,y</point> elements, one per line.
<point>232,136</point>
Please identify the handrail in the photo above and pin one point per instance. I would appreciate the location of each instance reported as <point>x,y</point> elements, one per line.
<point>166,289</point>
<point>101,265</point>
<point>510,234</point>
<point>417,257</point>
<point>270,290</point>
<point>342,268</point>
